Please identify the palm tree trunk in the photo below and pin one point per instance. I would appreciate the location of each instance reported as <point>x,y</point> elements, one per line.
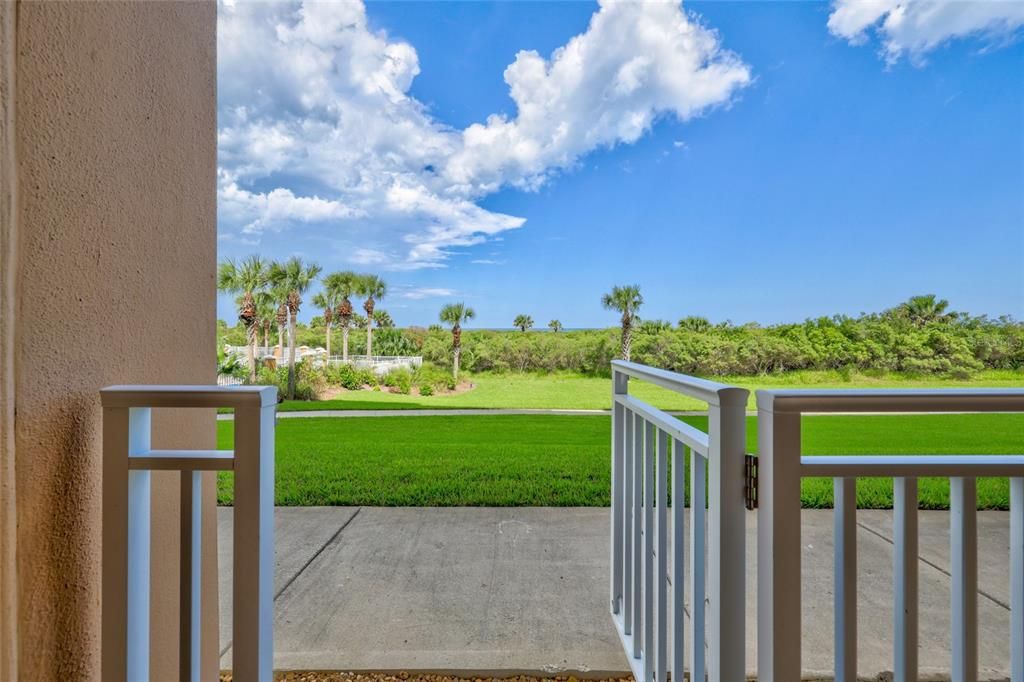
<point>627,341</point>
<point>250,333</point>
<point>344,343</point>
<point>455,365</point>
<point>280,339</point>
<point>291,356</point>
<point>369,338</point>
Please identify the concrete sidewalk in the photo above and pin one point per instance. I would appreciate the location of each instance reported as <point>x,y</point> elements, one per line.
<point>485,590</point>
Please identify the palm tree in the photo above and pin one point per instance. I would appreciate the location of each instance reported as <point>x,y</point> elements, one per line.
<point>326,300</point>
<point>282,321</point>
<point>695,323</point>
<point>265,309</point>
<point>626,300</point>
<point>524,322</point>
<point>455,314</point>
<point>343,285</point>
<point>926,308</point>
<point>295,277</point>
<point>555,326</point>
<point>382,319</point>
<point>373,288</point>
<point>245,278</point>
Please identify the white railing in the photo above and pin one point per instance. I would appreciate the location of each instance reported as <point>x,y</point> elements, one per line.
<point>128,459</point>
<point>228,380</point>
<point>648,570</point>
<point>780,468</point>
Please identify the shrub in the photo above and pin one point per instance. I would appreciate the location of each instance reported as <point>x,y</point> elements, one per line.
<point>400,379</point>
<point>308,383</point>
<point>231,365</point>
<point>349,377</point>
<point>426,390</point>
<point>392,341</point>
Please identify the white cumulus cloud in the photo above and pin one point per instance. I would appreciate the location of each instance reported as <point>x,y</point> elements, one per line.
<point>914,27</point>
<point>317,126</point>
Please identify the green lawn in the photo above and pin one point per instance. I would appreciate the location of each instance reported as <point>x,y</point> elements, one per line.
<point>564,460</point>
<point>569,391</point>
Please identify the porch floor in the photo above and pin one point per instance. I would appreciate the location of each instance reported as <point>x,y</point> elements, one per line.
<point>525,590</point>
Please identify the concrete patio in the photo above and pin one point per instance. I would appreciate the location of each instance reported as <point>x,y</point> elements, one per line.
<point>525,590</point>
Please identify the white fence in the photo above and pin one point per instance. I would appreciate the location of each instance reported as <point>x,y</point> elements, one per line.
<point>649,571</point>
<point>778,544</point>
<point>380,364</point>
<point>128,459</point>
<point>243,351</point>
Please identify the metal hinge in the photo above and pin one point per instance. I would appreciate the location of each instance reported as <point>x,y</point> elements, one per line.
<point>750,481</point>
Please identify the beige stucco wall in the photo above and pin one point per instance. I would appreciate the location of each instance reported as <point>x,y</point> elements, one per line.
<point>110,253</point>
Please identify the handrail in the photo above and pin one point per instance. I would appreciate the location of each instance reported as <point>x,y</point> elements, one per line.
<point>892,400</point>
<point>711,392</point>
<point>911,465</point>
<point>678,429</point>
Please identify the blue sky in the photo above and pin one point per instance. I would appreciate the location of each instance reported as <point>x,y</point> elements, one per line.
<point>827,164</point>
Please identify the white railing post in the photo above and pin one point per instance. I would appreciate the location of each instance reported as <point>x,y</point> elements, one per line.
<point>126,523</point>
<point>727,533</point>
<point>778,543</point>
<point>128,459</point>
<point>253,564</point>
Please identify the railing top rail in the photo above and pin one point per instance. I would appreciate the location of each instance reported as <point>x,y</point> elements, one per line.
<point>942,466</point>
<point>188,396</point>
<point>893,400</point>
<point>692,437</point>
<point>710,392</point>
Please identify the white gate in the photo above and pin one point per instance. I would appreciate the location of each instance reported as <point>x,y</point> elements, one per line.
<point>778,542</point>
<point>649,570</point>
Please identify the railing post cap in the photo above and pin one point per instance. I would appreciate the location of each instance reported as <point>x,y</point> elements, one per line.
<point>145,395</point>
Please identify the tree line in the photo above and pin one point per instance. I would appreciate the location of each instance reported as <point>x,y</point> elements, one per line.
<point>919,336</point>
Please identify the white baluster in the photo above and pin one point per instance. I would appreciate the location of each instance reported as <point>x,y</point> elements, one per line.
<point>845,578</point>
<point>963,533</point>
<point>905,577</point>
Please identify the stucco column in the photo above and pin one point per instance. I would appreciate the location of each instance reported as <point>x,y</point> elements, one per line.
<point>109,259</point>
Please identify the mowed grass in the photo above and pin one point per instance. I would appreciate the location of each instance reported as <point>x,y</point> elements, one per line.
<point>572,391</point>
<point>490,460</point>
